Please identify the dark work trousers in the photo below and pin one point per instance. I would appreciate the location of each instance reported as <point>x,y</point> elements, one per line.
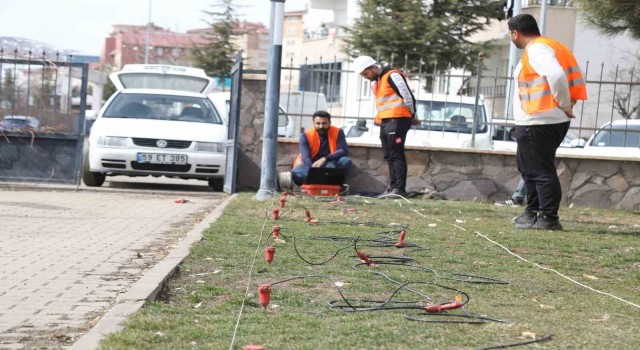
<point>393,134</point>
<point>536,158</point>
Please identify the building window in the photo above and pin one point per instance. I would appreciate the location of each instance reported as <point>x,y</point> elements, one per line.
<point>159,50</point>
<point>324,78</point>
<point>365,89</point>
<point>291,31</point>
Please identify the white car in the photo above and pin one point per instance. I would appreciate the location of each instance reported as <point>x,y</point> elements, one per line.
<point>620,138</point>
<point>446,121</point>
<point>159,122</point>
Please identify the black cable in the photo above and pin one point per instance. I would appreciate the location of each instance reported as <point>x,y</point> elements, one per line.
<point>546,337</point>
<point>319,263</point>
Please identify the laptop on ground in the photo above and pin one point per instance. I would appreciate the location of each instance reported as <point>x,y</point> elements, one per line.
<point>326,176</point>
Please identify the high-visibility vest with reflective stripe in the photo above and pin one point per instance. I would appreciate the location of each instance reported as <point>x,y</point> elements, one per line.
<point>314,143</point>
<point>535,93</point>
<point>388,103</point>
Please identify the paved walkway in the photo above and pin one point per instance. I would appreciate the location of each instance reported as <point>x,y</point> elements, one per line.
<point>67,255</point>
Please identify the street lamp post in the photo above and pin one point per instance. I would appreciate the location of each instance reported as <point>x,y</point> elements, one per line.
<point>272,100</point>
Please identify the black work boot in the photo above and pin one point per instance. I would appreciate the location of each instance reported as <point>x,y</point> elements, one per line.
<point>526,220</point>
<point>545,222</point>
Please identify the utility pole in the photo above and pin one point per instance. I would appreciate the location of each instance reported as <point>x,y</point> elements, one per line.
<point>272,101</point>
<point>508,108</point>
<point>146,45</point>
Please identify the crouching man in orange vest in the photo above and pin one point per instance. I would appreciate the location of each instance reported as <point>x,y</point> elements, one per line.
<point>324,146</point>
<point>549,83</point>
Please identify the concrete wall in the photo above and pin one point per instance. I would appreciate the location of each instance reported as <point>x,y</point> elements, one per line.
<point>467,175</point>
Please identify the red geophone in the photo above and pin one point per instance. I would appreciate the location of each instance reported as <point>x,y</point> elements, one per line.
<point>275,213</point>
<point>400,242</point>
<point>264,293</point>
<point>269,252</point>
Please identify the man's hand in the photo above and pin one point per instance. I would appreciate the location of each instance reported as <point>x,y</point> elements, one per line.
<point>319,163</point>
<point>415,121</point>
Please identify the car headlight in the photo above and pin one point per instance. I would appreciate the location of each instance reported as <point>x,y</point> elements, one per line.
<point>112,141</point>
<point>215,147</point>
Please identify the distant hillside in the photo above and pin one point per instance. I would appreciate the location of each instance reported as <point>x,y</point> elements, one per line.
<point>10,43</point>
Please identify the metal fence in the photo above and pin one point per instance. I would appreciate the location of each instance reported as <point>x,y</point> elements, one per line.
<point>42,109</point>
<point>614,94</point>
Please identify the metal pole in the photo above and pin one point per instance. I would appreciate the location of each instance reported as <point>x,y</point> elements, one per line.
<point>146,45</point>
<point>543,16</point>
<point>474,125</point>
<point>517,8</point>
<point>272,101</point>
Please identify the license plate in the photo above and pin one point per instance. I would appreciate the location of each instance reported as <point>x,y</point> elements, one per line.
<point>160,158</point>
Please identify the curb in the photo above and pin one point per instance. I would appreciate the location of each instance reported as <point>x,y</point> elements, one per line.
<point>148,286</point>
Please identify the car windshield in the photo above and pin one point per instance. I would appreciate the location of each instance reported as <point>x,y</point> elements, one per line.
<point>449,116</point>
<point>618,136</point>
<point>163,107</point>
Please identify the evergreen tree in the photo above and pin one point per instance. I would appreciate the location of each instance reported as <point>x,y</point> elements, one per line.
<point>613,16</point>
<point>217,57</point>
<point>434,31</point>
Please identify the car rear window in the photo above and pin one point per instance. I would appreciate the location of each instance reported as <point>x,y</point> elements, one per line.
<point>163,107</point>
<point>163,82</point>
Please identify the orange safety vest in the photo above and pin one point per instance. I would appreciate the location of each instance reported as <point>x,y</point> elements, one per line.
<point>314,143</point>
<point>535,93</point>
<point>388,103</point>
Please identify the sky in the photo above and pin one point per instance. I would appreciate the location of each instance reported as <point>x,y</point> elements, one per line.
<point>82,25</point>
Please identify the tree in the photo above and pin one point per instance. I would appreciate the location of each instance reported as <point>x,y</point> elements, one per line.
<point>435,31</point>
<point>216,58</point>
<point>613,16</point>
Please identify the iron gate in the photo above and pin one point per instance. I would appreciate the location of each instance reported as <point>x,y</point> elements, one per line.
<point>42,111</point>
<point>234,121</point>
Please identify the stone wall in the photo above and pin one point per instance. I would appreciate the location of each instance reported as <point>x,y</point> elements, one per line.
<point>466,175</point>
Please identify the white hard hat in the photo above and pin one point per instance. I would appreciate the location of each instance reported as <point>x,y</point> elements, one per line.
<point>363,62</point>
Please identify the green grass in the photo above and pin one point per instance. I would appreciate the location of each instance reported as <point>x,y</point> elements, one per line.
<point>201,304</point>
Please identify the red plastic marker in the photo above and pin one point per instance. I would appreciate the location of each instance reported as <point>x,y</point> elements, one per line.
<point>283,200</point>
<point>275,231</point>
<point>438,308</point>
<point>264,291</point>
<point>400,242</point>
<point>365,259</point>
<point>253,347</point>
<point>269,252</point>
<point>275,214</point>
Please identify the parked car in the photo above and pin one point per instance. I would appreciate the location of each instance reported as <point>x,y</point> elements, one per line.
<point>222,101</point>
<point>618,138</point>
<point>159,122</point>
<point>446,121</point>
<point>19,122</point>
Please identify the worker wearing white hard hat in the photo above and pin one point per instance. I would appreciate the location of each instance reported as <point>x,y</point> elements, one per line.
<point>363,62</point>
<point>396,108</point>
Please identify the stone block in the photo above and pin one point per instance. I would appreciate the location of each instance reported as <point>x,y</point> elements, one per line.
<point>617,183</point>
<point>631,200</point>
<point>471,190</point>
<point>593,195</point>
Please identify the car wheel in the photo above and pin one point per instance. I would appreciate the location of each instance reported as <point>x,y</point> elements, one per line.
<point>90,178</point>
<point>216,184</point>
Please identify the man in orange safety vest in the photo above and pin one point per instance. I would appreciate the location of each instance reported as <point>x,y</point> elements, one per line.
<point>323,146</point>
<point>548,84</point>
